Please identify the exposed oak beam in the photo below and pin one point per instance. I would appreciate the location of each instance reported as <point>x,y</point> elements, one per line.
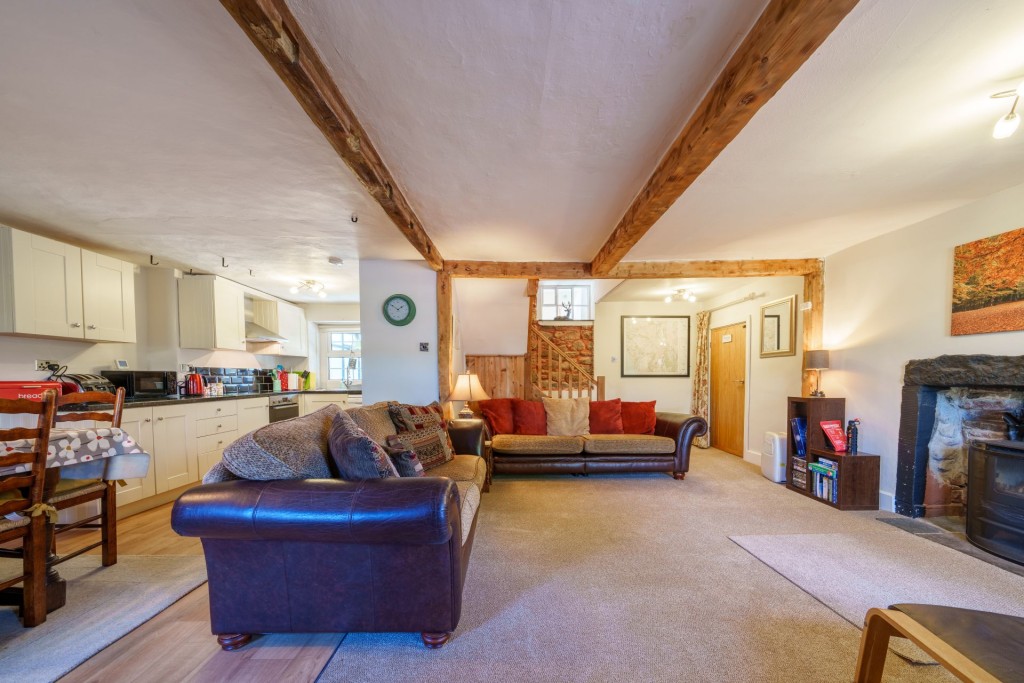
<point>444,338</point>
<point>274,30</point>
<point>814,294</point>
<point>784,37</point>
<point>555,270</point>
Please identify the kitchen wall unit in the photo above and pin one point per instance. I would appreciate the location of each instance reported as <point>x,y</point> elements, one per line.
<point>52,289</point>
<point>285,319</point>
<point>211,313</point>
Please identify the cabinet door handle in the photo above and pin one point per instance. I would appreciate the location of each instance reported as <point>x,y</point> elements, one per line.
<point>148,420</point>
<point>76,324</point>
<point>218,410</point>
<point>159,419</point>
<point>219,426</point>
<point>91,327</point>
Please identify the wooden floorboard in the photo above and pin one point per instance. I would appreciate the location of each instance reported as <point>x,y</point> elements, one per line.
<point>176,645</point>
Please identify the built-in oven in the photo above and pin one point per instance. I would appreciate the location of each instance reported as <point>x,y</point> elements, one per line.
<point>283,407</point>
<point>144,383</point>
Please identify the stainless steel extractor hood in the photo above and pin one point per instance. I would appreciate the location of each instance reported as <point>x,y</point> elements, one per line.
<point>256,333</point>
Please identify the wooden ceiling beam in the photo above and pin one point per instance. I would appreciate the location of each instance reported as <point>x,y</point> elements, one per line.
<point>274,30</point>
<point>786,34</point>
<point>556,270</point>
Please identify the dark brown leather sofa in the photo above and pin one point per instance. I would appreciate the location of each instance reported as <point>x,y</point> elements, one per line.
<point>603,453</point>
<point>333,556</point>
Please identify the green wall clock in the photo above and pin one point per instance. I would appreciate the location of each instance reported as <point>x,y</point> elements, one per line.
<point>399,309</point>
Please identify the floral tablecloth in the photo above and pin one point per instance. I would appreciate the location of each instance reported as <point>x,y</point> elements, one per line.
<point>87,450</point>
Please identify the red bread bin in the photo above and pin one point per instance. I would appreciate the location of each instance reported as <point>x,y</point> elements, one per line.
<point>30,390</point>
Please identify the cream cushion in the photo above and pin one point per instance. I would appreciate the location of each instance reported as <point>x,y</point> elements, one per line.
<point>469,502</point>
<point>375,420</point>
<point>567,416</point>
<point>629,443</point>
<point>523,444</point>
<point>469,468</point>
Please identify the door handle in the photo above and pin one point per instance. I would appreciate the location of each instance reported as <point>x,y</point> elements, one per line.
<point>739,381</point>
<point>76,324</point>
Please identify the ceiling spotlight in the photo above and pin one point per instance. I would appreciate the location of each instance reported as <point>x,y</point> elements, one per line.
<point>335,261</point>
<point>1007,125</point>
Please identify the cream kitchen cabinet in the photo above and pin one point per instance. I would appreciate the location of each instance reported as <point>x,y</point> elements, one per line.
<point>48,288</point>
<point>310,403</point>
<point>252,414</point>
<point>287,320</point>
<point>138,422</point>
<point>168,434</point>
<point>211,313</point>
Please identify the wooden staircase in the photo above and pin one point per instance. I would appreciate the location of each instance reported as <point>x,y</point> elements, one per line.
<point>554,374</point>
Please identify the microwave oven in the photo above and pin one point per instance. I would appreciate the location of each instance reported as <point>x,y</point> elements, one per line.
<point>144,383</point>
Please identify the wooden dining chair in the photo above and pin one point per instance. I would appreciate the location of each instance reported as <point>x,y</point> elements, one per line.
<point>73,492</point>
<point>22,492</point>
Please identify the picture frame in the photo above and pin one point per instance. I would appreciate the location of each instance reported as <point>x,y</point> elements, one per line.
<point>655,346</point>
<point>778,328</point>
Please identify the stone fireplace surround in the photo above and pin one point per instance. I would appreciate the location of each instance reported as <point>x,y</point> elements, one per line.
<point>923,380</point>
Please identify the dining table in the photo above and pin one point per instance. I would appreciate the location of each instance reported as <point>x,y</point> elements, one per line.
<point>108,453</point>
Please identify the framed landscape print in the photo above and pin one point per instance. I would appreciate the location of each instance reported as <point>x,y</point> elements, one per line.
<point>655,346</point>
<point>988,285</point>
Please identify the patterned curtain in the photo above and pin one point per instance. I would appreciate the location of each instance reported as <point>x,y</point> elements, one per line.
<point>702,376</point>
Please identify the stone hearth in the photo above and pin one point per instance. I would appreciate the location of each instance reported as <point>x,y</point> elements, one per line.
<point>948,401</point>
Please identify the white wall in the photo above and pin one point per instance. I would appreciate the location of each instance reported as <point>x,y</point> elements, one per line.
<point>493,316</point>
<point>672,394</point>
<point>769,380</point>
<point>887,301</point>
<point>393,366</point>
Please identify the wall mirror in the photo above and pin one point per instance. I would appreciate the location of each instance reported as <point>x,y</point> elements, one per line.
<point>778,328</point>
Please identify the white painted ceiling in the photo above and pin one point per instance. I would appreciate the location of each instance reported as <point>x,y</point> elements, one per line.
<point>518,130</point>
<point>656,289</point>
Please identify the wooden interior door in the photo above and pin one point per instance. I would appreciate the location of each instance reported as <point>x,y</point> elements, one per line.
<point>728,387</point>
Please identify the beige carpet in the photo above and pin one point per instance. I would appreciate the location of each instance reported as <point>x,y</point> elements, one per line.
<point>882,565</point>
<point>633,578</point>
<point>103,604</point>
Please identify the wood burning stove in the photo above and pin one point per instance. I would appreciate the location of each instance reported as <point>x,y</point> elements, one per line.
<point>995,498</point>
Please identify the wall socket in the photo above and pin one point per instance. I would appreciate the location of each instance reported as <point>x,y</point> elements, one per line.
<point>424,346</point>
<point>41,364</point>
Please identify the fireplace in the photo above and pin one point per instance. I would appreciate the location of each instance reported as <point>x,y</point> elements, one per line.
<point>972,392</point>
<point>995,507</point>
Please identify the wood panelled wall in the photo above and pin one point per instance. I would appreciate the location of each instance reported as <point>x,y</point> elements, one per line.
<point>501,376</point>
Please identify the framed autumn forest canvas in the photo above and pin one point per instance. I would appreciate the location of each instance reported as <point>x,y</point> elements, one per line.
<point>988,284</point>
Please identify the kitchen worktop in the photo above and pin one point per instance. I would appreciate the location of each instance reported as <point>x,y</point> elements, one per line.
<point>152,402</point>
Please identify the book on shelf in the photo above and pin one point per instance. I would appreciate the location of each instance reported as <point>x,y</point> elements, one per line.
<point>836,434</point>
<point>798,427</point>
<point>799,464</point>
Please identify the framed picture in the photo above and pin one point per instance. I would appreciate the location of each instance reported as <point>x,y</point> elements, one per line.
<point>778,327</point>
<point>988,285</point>
<point>655,346</point>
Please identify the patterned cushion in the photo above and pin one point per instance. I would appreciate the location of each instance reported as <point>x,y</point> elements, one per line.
<point>516,444</point>
<point>374,420</point>
<point>218,473</point>
<point>409,418</point>
<point>406,462</point>
<point>431,447</point>
<point>290,449</point>
<point>355,455</point>
<point>463,468</point>
<point>567,416</point>
<point>629,443</point>
<point>469,502</point>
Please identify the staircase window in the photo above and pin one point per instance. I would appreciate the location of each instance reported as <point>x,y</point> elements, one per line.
<point>565,302</point>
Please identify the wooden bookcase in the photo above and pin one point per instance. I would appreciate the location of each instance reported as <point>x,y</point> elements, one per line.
<point>856,486</point>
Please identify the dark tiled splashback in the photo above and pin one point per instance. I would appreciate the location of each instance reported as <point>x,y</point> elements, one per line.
<point>239,380</point>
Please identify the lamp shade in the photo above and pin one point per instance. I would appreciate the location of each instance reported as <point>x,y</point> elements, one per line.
<point>816,360</point>
<point>467,388</point>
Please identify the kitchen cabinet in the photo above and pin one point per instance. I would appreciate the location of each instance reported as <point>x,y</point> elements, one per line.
<point>174,454</point>
<point>216,427</point>
<point>138,422</point>
<point>285,319</point>
<point>310,403</point>
<point>211,313</point>
<point>52,289</point>
<point>252,414</point>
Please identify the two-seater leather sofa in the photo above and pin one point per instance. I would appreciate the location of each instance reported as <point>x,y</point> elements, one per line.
<point>323,555</point>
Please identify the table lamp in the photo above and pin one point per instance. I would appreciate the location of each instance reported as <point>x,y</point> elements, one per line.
<point>817,360</point>
<point>467,388</point>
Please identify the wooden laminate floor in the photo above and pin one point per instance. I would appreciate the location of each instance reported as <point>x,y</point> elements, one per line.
<point>176,645</point>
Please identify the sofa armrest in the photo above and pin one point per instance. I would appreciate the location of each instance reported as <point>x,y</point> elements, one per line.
<point>683,429</point>
<point>467,436</point>
<point>415,510</point>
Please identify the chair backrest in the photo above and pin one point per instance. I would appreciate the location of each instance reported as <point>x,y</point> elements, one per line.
<point>28,446</point>
<point>78,398</point>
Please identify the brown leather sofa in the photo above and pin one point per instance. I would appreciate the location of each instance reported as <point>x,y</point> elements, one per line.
<point>333,556</point>
<point>667,450</point>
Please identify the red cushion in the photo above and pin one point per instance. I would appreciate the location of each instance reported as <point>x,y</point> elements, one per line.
<point>638,417</point>
<point>529,417</point>
<point>606,417</point>
<point>498,413</point>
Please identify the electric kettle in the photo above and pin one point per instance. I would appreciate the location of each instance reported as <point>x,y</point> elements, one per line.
<point>194,384</point>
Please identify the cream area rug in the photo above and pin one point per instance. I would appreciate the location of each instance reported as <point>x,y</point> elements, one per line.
<point>879,566</point>
<point>632,578</point>
<point>103,604</point>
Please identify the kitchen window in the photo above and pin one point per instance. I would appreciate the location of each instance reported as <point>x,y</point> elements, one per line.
<point>565,302</point>
<point>341,357</point>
